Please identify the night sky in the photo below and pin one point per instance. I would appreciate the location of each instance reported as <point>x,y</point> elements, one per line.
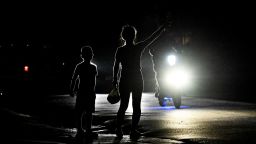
<point>221,33</point>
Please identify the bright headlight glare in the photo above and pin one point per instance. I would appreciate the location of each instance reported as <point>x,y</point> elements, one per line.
<point>171,59</point>
<point>177,78</point>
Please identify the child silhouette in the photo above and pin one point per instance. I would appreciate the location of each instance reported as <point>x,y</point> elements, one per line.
<point>85,76</point>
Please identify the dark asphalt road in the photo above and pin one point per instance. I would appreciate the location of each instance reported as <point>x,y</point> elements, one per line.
<point>199,120</point>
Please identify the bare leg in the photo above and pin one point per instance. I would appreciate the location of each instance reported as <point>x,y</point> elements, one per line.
<point>125,95</point>
<point>136,104</point>
<point>79,118</point>
<point>88,119</point>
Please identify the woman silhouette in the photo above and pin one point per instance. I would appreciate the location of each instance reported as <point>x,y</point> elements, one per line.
<point>128,63</point>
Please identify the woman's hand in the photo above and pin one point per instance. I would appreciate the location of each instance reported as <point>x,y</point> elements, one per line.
<point>114,82</point>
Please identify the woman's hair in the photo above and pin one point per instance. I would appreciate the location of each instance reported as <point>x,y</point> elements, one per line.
<point>128,33</point>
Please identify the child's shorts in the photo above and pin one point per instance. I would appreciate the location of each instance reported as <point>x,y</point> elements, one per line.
<point>85,102</point>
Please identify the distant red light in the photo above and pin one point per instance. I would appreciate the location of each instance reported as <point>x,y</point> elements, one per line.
<point>26,68</point>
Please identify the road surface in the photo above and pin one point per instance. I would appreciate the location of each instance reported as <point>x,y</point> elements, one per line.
<point>199,120</point>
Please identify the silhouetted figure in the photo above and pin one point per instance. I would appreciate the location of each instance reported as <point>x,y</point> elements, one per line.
<point>128,62</point>
<point>85,76</point>
<point>159,59</point>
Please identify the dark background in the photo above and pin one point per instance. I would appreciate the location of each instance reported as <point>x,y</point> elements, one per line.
<point>48,37</point>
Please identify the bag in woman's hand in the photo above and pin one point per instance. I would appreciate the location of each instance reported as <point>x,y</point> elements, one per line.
<point>114,96</point>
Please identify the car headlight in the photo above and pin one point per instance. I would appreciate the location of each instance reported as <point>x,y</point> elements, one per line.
<point>177,78</point>
<point>171,60</point>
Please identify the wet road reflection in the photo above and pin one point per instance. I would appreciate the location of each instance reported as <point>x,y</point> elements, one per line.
<point>198,118</point>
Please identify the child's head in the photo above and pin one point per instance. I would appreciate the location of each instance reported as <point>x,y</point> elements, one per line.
<point>86,53</point>
<point>128,33</point>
